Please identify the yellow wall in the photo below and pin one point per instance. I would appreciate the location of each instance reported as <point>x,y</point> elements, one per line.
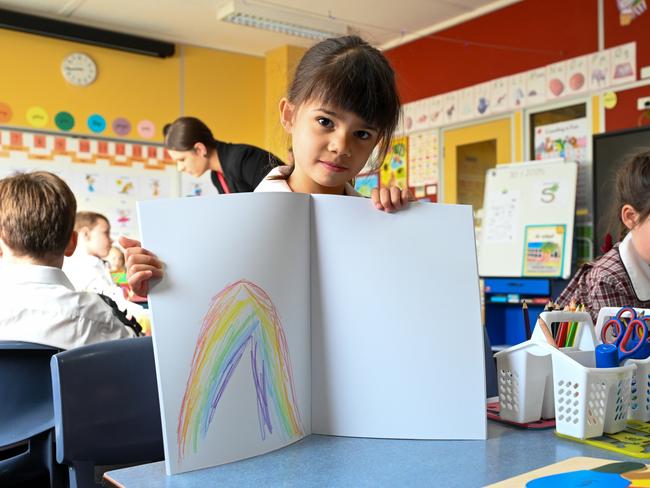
<point>280,67</point>
<point>226,90</point>
<point>498,130</point>
<point>128,85</point>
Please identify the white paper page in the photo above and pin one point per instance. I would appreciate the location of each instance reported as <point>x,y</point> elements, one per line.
<point>208,244</point>
<point>397,344</point>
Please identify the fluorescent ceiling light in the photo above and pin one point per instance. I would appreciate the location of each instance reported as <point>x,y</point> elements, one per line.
<point>278,19</point>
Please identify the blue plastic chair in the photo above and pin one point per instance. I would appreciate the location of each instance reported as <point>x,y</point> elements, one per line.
<point>491,389</point>
<point>26,414</point>
<point>106,409</point>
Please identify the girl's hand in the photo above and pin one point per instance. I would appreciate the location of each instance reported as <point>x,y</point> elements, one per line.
<point>390,199</point>
<point>141,266</point>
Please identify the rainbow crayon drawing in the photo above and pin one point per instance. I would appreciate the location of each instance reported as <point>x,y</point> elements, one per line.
<point>240,315</point>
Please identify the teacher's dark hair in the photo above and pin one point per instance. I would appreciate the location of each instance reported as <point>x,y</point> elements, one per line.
<point>184,132</point>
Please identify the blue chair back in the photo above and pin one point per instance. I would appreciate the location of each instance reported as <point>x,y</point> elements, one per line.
<point>26,413</point>
<point>106,409</point>
<point>490,367</point>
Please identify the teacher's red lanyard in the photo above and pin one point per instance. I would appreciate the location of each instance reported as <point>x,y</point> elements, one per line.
<point>222,180</point>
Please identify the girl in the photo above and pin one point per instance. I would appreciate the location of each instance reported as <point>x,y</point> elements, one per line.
<point>233,168</point>
<point>621,276</point>
<point>342,104</point>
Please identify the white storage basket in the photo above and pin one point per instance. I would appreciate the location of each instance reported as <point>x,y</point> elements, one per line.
<point>640,387</point>
<point>525,372</point>
<point>589,400</point>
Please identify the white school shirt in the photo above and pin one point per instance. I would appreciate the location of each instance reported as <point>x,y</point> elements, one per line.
<point>39,304</point>
<point>636,267</point>
<point>89,273</point>
<point>271,182</point>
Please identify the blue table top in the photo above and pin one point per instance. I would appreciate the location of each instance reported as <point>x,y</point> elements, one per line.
<point>344,461</point>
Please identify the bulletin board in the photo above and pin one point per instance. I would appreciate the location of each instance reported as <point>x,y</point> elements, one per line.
<point>106,176</point>
<point>528,220</point>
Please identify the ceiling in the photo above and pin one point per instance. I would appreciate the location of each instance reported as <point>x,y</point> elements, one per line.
<point>384,23</point>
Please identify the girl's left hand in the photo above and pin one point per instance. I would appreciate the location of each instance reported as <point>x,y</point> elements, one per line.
<point>390,199</point>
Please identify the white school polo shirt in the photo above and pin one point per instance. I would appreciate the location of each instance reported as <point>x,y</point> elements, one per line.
<point>636,267</point>
<point>39,304</point>
<point>276,180</point>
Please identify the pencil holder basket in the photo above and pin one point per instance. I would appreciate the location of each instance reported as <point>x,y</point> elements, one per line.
<point>590,400</point>
<point>640,383</point>
<point>525,371</point>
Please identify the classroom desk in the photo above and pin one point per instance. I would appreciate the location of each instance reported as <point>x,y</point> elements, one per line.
<point>344,461</point>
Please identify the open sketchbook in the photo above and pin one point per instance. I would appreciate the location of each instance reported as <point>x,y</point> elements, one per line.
<point>286,314</point>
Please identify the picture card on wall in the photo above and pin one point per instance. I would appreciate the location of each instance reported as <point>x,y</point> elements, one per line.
<point>482,100</point>
<point>556,80</point>
<point>599,70</point>
<point>420,116</point>
<point>535,86</point>
<point>577,72</point>
<point>623,64</point>
<point>466,103</point>
<point>499,95</point>
<point>517,91</point>
<point>450,108</point>
<point>434,110</point>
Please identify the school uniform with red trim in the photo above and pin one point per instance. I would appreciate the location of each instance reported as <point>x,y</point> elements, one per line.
<point>244,167</point>
<point>618,278</point>
<point>276,180</point>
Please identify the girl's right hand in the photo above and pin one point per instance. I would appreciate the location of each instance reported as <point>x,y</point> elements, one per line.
<point>141,266</point>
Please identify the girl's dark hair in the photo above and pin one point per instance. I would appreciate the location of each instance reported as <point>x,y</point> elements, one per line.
<point>184,132</point>
<point>350,74</point>
<point>633,187</point>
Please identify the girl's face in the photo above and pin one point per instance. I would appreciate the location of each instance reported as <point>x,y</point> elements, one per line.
<point>115,259</point>
<point>193,162</point>
<point>330,146</point>
<point>640,231</point>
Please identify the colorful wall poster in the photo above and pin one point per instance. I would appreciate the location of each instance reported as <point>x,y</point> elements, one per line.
<point>423,159</point>
<point>364,184</point>
<point>630,9</point>
<point>568,140</point>
<point>623,64</point>
<point>393,169</point>
<point>155,186</point>
<point>544,250</point>
<point>124,185</point>
<point>104,175</point>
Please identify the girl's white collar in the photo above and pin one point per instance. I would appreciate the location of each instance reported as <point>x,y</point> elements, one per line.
<point>637,268</point>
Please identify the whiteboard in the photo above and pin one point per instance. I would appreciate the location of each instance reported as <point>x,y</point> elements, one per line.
<point>527,227</point>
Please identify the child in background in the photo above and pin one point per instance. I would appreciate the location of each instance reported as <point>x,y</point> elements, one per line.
<point>39,304</point>
<point>343,102</point>
<point>621,276</point>
<point>86,268</point>
<point>116,266</point>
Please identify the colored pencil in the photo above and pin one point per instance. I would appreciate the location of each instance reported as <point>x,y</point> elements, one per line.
<point>524,308</point>
<point>546,332</point>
